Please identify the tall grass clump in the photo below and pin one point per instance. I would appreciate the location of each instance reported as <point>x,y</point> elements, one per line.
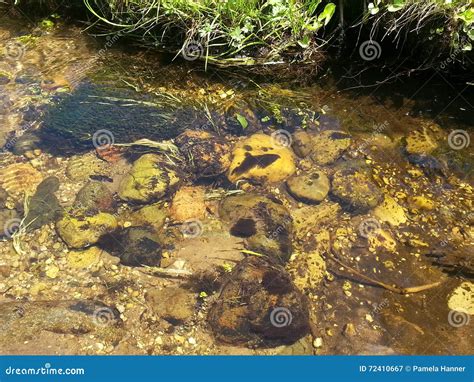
<point>227,31</point>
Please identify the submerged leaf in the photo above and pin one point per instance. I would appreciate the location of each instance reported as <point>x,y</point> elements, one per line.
<point>242,120</point>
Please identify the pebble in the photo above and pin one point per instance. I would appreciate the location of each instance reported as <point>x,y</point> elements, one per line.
<point>52,272</point>
<point>318,342</point>
<point>349,330</point>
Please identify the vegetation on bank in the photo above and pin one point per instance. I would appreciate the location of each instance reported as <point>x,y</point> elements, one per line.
<point>249,32</point>
<point>445,25</point>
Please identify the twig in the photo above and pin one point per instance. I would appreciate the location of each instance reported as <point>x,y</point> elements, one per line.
<point>392,288</point>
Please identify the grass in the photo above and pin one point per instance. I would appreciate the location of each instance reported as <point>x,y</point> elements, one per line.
<point>265,32</point>
<point>221,31</point>
<point>450,22</point>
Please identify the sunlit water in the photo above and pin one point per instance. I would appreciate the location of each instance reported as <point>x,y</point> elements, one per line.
<point>60,88</point>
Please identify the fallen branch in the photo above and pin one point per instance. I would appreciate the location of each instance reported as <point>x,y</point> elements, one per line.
<point>392,288</point>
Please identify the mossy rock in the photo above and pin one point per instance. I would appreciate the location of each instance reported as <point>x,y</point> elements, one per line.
<point>261,159</point>
<point>149,179</point>
<point>153,215</point>
<point>85,258</point>
<point>259,306</point>
<point>355,190</point>
<point>44,207</point>
<point>265,224</point>
<point>82,167</point>
<point>82,231</point>
<point>137,246</point>
<point>95,197</point>
<point>329,145</point>
<point>207,155</point>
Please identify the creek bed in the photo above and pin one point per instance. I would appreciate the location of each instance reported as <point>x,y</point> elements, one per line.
<point>173,211</point>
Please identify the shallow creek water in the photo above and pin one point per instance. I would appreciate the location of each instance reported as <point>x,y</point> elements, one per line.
<point>372,255</point>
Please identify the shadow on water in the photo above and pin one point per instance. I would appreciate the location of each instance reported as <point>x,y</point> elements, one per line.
<point>124,115</point>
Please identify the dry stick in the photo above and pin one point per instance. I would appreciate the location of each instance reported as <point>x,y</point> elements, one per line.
<point>395,289</point>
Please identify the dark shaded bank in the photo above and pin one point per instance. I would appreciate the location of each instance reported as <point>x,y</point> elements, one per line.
<point>403,36</point>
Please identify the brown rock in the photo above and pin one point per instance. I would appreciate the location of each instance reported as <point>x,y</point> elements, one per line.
<point>188,203</point>
<point>259,306</point>
<point>174,304</point>
<point>208,155</point>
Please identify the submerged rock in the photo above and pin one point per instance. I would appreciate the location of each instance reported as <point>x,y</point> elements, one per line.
<point>173,304</point>
<point>149,179</point>
<point>429,165</point>
<point>207,155</point>
<point>262,159</point>
<point>391,212</point>
<point>265,224</point>
<point>153,216</point>
<point>27,142</point>
<point>188,203</point>
<point>455,259</point>
<point>355,190</point>
<point>29,322</point>
<point>309,188</point>
<point>81,231</point>
<point>80,168</point>
<point>259,306</point>
<point>84,258</point>
<point>329,145</point>
<point>423,140</point>
<point>19,178</point>
<point>461,299</point>
<point>309,270</point>
<point>44,206</point>
<point>95,197</point>
<point>136,246</point>
<point>311,218</point>
<point>302,143</point>
<point>126,115</point>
